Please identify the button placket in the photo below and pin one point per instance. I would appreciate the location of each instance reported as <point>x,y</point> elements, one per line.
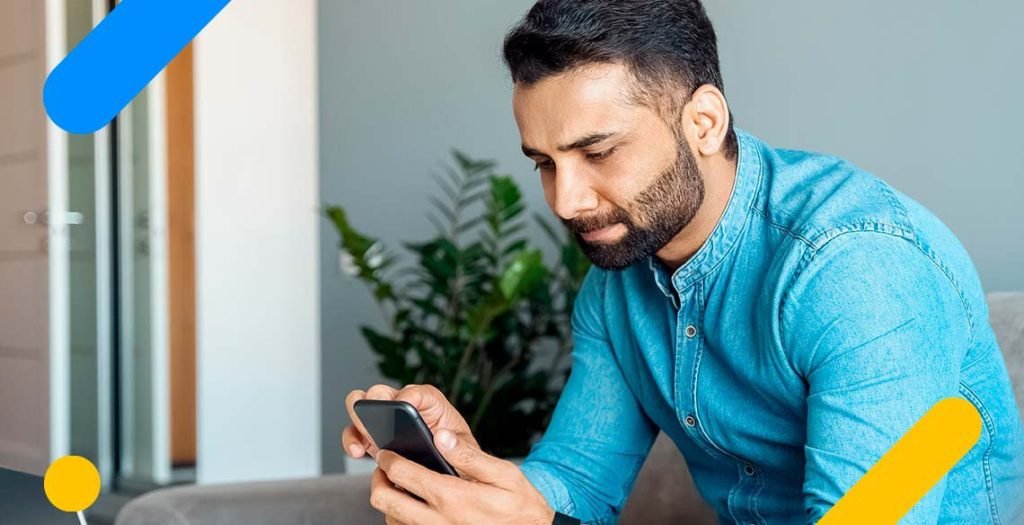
<point>688,350</point>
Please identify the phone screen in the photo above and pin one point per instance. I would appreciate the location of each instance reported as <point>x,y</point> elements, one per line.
<point>398,427</point>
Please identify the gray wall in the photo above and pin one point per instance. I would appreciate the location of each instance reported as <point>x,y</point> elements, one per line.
<point>921,93</point>
<point>924,94</point>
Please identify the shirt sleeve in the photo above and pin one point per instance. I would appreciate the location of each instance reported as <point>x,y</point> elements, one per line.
<point>878,331</point>
<point>599,436</point>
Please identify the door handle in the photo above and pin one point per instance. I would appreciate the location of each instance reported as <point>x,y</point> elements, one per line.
<point>43,218</point>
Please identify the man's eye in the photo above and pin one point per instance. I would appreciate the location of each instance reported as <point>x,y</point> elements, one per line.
<point>546,165</point>
<point>602,155</point>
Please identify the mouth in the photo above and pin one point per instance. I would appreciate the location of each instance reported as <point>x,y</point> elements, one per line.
<point>608,233</point>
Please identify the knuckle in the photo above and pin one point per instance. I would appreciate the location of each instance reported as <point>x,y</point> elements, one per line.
<point>396,470</point>
<point>447,498</point>
<point>506,467</point>
<point>466,455</point>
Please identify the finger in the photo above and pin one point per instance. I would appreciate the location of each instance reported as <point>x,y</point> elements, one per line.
<point>415,478</point>
<point>468,459</point>
<point>428,400</point>
<point>353,443</point>
<point>398,506</point>
<point>350,402</point>
<point>435,409</point>
<point>381,392</point>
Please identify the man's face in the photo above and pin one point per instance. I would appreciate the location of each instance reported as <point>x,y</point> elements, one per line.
<point>612,171</point>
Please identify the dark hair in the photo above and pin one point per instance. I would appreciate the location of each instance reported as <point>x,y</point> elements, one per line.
<point>668,45</point>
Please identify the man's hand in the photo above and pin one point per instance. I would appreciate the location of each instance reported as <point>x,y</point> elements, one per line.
<point>492,490</point>
<point>435,409</point>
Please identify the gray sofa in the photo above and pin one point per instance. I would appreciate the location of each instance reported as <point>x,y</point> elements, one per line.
<point>663,493</point>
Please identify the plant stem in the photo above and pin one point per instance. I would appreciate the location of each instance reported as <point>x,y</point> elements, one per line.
<point>461,370</point>
<point>499,381</point>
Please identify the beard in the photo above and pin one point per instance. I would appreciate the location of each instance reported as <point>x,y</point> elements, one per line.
<point>662,210</point>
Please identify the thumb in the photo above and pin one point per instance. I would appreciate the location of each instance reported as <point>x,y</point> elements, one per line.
<point>469,460</point>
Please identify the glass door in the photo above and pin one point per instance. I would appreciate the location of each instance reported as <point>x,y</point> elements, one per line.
<point>89,275</point>
<point>144,366</point>
<point>117,285</point>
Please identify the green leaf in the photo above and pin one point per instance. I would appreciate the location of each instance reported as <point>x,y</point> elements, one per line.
<point>504,192</point>
<point>525,271</point>
<point>469,165</point>
<point>483,313</point>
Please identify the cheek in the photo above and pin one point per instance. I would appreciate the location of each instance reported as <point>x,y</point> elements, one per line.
<point>619,185</point>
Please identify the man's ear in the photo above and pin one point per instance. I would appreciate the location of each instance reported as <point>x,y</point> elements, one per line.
<point>706,120</point>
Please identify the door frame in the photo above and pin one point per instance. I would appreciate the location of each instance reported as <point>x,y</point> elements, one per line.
<point>109,343</point>
<point>59,293</point>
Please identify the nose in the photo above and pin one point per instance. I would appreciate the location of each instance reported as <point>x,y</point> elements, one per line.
<point>573,194</point>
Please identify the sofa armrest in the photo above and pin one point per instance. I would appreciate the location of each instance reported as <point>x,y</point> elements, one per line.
<point>330,500</point>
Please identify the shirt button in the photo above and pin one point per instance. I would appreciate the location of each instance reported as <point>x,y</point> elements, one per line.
<point>690,421</point>
<point>691,331</point>
<point>749,469</point>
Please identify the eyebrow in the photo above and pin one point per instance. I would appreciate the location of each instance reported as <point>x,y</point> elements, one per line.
<point>588,140</point>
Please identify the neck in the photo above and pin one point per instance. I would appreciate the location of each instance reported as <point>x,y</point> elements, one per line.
<point>719,179</point>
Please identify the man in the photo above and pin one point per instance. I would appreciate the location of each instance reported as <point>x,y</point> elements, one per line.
<point>782,316</point>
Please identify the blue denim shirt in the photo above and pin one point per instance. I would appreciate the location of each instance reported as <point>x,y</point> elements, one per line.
<point>826,313</point>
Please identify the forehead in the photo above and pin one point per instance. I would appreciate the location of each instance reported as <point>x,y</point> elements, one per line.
<point>585,100</point>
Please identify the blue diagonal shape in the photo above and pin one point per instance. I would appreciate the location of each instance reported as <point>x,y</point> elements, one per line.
<point>121,55</point>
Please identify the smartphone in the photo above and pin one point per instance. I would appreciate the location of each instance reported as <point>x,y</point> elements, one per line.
<point>398,427</point>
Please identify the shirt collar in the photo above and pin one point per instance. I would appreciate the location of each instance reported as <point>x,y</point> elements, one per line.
<point>727,232</point>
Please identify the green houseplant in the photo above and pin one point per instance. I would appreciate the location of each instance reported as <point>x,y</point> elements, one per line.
<point>479,314</point>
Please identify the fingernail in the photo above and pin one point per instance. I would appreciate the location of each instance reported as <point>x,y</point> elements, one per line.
<point>446,439</point>
<point>355,451</point>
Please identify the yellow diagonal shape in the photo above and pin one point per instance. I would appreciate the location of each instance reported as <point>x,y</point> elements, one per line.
<point>911,467</point>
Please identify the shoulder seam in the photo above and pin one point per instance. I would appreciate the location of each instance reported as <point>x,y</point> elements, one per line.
<point>782,228</point>
<point>890,230</point>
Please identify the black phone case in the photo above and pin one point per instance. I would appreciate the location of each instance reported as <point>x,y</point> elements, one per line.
<point>397,426</point>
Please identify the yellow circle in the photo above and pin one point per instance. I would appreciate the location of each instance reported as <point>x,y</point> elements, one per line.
<point>72,483</point>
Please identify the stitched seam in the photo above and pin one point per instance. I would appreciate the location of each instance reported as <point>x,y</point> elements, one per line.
<point>756,192</point>
<point>696,369</point>
<point>698,354</point>
<point>952,280</point>
<point>986,457</point>
<point>900,209</point>
<point>729,502</point>
<point>757,498</point>
<point>784,229</point>
<point>883,229</point>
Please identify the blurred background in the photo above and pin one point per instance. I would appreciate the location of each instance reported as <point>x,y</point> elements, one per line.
<point>173,303</point>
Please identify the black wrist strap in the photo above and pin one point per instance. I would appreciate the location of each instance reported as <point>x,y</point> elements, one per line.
<point>562,519</point>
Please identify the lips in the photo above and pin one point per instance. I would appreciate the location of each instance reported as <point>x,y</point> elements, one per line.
<point>599,234</point>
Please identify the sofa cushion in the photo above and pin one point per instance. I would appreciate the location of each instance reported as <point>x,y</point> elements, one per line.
<point>1006,315</point>
<point>330,500</point>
